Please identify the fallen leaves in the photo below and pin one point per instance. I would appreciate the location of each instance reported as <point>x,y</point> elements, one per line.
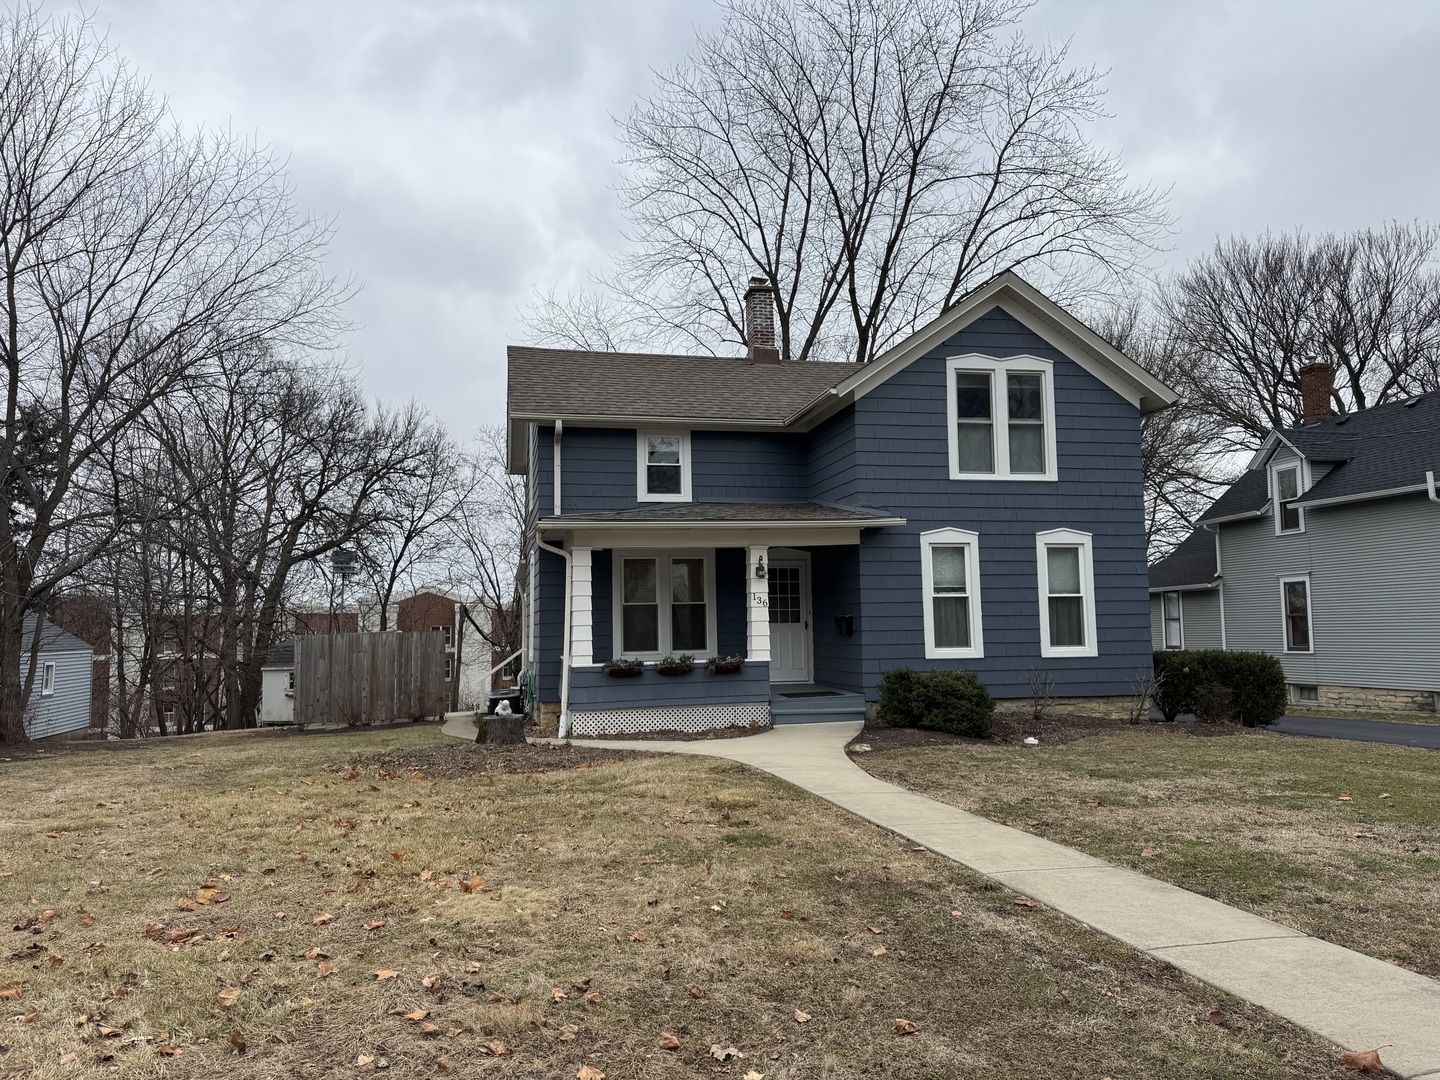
<point>381,976</point>
<point>325,969</point>
<point>374,924</point>
<point>668,1041</point>
<point>1024,901</point>
<point>495,1048</point>
<point>906,1027</point>
<point>879,950</point>
<point>322,920</point>
<point>229,996</point>
<point>589,1072</point>
<point>1345,798</point>
<point>1366,1061</point>
<point>723,1054</point>
<point>11,993</point>
<point>802,1017</point>
<point>1148,853</point>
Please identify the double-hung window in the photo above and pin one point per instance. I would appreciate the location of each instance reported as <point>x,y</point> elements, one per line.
<point>663,605</point>
<point>950,574</point>
<point>1288,517</point>
<point>1174,629</point>
<point>1001,415</point>
<point>1066,570</point>
<point>1295,599</point>
<point>663,467</point>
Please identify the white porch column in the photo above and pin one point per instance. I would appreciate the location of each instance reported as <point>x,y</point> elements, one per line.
<point>582,608</point>
<point>757,605</point>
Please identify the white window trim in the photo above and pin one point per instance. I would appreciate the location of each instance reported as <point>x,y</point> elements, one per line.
<point>1285,615</point>
<point>1000,417</point>
<point>970,541</point>
<point>47,679</point>
<point>1180,618</point>
<point>662,595</point>
<point>1067,538</point>
<point>1302,484</point>
<point>642,480</point>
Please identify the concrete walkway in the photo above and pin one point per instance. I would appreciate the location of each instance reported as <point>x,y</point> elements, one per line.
<point>1351,999</point>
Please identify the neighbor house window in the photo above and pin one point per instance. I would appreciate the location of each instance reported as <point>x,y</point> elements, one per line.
<point>664,467</point>
<point>47,679</point>
<point>1066,571</point>
<point>449,669</point>
<point>1174,632</point>
<point>663,605</point>
<point>1295,594</point>
<point>1001,416</point>
<point>449,632</point>
<point>1288,516</point>
<point>950,575</point>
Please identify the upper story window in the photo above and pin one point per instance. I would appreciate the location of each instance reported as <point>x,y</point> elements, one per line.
<point>663,473</point>
<point>1002,418</point>
<point>1285,482</point>
<point>449,632</point>
<point>950,573</point>
<point>1066,568</point>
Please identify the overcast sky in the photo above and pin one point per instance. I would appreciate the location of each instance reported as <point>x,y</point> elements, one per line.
<point>465,149</point>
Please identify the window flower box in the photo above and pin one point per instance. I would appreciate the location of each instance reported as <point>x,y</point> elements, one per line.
<point>725,665</point>
<point>620,668</point>
<point>676,665</point>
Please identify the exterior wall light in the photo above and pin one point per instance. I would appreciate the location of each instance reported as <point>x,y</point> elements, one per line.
<point>760,568</point>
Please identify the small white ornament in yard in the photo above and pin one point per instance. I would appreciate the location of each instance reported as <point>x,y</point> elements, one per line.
<point>503,709</point>
<point>860,748</point>
<point>1030,740</point>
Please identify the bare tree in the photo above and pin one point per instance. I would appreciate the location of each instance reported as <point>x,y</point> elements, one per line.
<point>873,160</point>
<point>1183,463</point>
<point>487,533</point>
<point>131,256</point>
<point>1248,315</point>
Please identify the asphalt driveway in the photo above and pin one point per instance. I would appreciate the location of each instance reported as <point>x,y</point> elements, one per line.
<point>1377,731</point>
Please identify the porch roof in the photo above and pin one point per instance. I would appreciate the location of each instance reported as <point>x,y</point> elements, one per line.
<point>745,515</point>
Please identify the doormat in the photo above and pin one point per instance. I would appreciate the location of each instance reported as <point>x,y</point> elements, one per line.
<point>811,693</point>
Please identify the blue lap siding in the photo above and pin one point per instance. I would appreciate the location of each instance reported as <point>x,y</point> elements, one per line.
<point>890,450</point>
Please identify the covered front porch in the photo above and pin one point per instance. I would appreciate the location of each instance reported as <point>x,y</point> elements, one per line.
<point>702,616</point>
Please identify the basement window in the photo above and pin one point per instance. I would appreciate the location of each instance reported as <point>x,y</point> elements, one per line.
<point>1304,695</point>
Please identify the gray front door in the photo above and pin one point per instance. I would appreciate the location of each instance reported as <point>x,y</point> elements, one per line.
<point>789,623</point>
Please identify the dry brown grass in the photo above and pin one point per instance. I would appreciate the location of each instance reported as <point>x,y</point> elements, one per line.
<point>1254,819</point>
<point>689,896</point>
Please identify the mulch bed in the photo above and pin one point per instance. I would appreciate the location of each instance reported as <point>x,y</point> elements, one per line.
<point>1012,728</point>
<point>461,759</point>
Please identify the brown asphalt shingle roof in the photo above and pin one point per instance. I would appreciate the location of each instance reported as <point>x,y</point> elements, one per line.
<point>569,383</point>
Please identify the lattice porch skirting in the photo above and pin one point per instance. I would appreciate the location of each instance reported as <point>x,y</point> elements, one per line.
<point>689,718</point>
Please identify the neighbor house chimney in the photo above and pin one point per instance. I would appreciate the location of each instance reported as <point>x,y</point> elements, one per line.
<point>760,322</point>
<point>1317,385</point>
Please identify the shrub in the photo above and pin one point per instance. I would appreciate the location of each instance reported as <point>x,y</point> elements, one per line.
<point>953,701</point>
<point>1256,683</point>
<point>621,668</point>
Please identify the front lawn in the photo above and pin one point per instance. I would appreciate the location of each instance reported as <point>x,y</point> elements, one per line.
<point>1338,839</point>
<point>281,905</point>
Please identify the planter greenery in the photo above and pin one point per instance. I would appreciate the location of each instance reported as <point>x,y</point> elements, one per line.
<point>1192,681</point>
<point>621,668</point>
<point>676,665</point>
<point>725,665</point>
<point>953,701</point>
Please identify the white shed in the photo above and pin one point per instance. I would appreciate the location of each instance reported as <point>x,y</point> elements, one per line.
<point>277,686</point>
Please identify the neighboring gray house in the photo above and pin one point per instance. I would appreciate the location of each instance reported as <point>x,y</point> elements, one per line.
<point>60,699</point>
<point>970,500</point>
<point>1326,553</point>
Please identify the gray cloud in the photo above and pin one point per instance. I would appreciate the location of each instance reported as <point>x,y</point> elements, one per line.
<point>466,151</point>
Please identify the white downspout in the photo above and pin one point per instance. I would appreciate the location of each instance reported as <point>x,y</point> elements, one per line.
<point>1430,483</point>
<point>569,588</point>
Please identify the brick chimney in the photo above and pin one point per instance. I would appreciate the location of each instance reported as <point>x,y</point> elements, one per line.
<point>760,322</point>
<point>1317,385</point>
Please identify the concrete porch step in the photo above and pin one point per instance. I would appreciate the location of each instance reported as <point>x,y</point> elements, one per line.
<point>812,704</point>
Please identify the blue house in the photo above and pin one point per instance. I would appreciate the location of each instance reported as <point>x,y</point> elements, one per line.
<point>970,500</point>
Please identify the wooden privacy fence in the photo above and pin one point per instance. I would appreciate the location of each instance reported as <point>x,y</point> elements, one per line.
<point>370,678</point>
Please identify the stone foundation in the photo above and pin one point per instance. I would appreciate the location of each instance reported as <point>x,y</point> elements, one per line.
<point>548,720</point>
<point>1370,699</point>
